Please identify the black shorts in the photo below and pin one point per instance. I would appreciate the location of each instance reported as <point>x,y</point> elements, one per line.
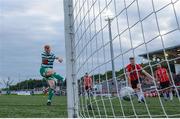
<point>134,83</point>
<point>87,88</point>
<point>165,84</point>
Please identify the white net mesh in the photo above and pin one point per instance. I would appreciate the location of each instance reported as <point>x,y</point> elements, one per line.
<point>147,30</point>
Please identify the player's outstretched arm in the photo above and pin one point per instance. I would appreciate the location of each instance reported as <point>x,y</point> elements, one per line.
<point>148,75</point>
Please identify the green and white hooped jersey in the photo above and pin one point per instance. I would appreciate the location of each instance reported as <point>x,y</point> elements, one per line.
<point>47,60</point>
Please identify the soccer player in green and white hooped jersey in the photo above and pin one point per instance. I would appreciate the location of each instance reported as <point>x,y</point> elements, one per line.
<point>47,71</point>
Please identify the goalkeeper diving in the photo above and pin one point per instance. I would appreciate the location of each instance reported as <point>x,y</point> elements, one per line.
<point>47,71</point>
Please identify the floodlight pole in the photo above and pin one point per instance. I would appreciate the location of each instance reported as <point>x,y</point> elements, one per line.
<point>111,47</point>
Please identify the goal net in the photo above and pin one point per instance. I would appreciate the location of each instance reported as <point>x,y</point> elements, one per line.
<point>104,35</point>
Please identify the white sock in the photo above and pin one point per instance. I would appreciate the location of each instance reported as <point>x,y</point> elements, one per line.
<point>86,95</point>
<point>140,95</point>
<point>94,96</point>
<point>165,96</point>
<point>170,95</point>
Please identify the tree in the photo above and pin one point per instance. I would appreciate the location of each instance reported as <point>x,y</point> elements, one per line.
<point>8,83</point>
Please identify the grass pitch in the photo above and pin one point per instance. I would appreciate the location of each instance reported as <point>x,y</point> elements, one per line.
<point>119,108</point>
<point>32,107</point>
<point>13,106</point>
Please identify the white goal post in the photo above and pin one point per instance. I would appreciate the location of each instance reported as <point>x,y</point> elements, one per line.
<point>72,88</point>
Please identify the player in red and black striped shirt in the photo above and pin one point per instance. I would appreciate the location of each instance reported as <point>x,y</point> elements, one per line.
<point>163,79</point>
<point>134,73</point>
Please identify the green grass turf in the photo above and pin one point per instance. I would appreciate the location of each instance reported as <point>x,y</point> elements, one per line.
<point>172,108</point>
<point>35,106</point>
<point>32,107</point>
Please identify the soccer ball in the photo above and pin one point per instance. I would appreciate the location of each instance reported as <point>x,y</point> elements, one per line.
<point>126,93</point>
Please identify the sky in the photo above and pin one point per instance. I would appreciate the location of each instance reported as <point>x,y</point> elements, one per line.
<point>27,25</point>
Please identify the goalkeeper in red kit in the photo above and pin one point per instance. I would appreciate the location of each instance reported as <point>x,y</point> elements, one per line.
<point>87,80</point>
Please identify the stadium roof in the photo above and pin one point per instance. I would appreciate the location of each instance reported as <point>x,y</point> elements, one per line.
<point>171,53</point>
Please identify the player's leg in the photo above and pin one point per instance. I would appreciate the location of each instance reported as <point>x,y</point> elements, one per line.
<point>47,75</point>
<point>91,92</point>
<point>87,96</point>
<point>86,92</point>
<point>140,93</point>
<point>94,90</point>
<point>57,76</point>
<point>165,95</point>
<point>136,86</point>
<point>46,91</point>
<point>170,94</point>
<point>52,73</point>
<point>164,91</point>
<point>51,89</point>
<point>169,90</point>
